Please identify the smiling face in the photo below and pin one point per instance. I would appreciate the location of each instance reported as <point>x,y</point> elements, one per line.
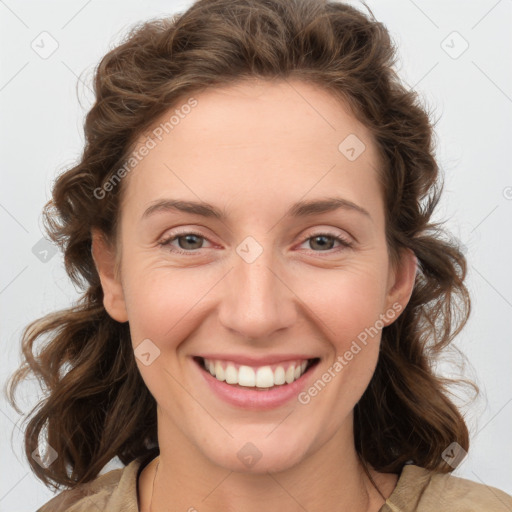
<point>260,273</point>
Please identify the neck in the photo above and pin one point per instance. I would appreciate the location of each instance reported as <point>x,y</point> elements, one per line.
<point>332,479</point>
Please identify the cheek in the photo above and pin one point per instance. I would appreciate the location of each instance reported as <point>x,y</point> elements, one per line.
<point>165,308</point>
<point>347,305</point>
<point>345,302</point>
<point>159,304</point>
<point>346,310</point>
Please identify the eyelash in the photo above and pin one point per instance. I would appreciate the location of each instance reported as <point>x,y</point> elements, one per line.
<point>345,244</point>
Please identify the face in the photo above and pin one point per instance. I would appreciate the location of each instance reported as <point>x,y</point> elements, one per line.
<point>270,278</point>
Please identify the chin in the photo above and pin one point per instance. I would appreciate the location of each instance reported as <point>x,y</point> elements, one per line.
<point>258,454</point>
<point>268,463</point>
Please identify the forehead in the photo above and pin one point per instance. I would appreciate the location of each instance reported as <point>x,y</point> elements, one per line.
<point>253,137</point>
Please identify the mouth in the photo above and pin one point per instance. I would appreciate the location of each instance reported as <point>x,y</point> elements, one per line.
<point>262,378</point>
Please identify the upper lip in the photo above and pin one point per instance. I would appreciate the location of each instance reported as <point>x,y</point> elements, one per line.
<point>257,361</point>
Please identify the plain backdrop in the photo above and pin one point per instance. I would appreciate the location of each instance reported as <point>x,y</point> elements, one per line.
<point>456,54</point>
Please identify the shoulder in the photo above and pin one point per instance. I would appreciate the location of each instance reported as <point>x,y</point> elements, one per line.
<point>113,491</point>
<point>422,490</point>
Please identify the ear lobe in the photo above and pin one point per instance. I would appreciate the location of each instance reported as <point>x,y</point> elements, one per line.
<point>105,260</point>
<point>402,283</point>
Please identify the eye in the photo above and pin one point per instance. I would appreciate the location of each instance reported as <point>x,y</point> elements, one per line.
<point>325,241</point>
<point>190,242</point>
<point>187,240</point>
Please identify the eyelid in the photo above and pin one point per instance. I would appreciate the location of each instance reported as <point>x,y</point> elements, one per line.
<point>318,231</point>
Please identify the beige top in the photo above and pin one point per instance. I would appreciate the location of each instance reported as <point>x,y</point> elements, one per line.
<point>417,490</point>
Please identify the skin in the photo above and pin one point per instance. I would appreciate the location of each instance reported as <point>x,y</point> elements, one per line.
<point>254,149</point>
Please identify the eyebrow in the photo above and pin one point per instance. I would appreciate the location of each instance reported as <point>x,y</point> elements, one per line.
<point>299,209</point>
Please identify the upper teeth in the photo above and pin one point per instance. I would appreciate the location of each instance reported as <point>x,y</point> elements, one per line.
<point>260,377</point>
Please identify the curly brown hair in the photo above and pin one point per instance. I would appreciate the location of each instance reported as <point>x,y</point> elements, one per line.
<point>96,405</point>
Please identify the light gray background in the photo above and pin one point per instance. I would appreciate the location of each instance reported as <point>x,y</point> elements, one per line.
<point>41,135</point>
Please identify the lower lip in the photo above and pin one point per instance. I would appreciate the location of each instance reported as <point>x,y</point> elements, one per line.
<point>253,399</point>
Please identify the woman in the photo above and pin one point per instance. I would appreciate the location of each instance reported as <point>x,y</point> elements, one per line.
<point>283,359</point>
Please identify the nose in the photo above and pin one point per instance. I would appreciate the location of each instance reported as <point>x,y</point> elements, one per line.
<point>256,300</point>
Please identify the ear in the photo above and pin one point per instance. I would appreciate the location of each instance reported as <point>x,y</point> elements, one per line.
<point>400,284</point>
<point>105,260</point>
